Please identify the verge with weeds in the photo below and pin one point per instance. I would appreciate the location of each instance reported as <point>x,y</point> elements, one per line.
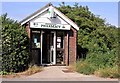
<point>107,72</point>
<point>31,70</point>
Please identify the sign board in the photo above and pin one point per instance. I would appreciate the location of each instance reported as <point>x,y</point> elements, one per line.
<point>49,26</point>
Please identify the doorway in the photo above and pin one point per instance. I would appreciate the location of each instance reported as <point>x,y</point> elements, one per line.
<point>48,51</point>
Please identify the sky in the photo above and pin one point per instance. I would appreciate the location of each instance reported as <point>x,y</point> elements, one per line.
<point>20,10</point>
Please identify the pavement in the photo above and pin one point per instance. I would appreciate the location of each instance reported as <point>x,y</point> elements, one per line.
<point>55,73</point>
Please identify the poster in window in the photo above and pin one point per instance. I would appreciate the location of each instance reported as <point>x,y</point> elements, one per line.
<point>58,45</point>
<point>35,40</point>
<point>58,42</point>
<point>38,45</point>
<point>58,39</point>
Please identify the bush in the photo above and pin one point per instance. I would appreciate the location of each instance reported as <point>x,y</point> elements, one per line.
<point>3,73</point>
<point>15,57</point>
<point>101,60</point>
<point>84,67</point>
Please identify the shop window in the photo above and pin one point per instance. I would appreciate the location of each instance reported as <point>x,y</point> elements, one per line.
<point>60,39</point>
<point>36,39</point>
<point>60,47</point>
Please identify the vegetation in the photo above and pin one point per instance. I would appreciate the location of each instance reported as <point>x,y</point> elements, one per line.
<point>31,70</point>
<point>15,50</point>
<point>85,67</point>
<point>98,44</point>
<point>111,72</point>
<point>15,56</point>
<point>97,41</point>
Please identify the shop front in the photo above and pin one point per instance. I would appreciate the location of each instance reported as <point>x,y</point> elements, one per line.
<point>52,35</point>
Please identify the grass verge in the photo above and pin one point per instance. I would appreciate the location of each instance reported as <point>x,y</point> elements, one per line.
<point>111,72</point>
<point>31,70</point>
<point>107,72</point>
<point>84,68</point>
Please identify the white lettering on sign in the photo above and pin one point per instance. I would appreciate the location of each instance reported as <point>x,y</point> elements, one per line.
<point>49,26</point>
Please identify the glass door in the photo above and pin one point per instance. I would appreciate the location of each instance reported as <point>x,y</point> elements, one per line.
<point>53,47</point>
<point>48,50</point>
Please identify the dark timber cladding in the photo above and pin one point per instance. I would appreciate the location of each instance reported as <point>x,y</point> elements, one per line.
<point>52,37</point>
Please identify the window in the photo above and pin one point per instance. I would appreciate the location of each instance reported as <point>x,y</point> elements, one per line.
<point>60,39</point>
<point>36,39</point>
<point>60,47</point>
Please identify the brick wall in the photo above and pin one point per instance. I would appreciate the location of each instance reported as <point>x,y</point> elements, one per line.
<point>72,46</point>
<point>28,29</point>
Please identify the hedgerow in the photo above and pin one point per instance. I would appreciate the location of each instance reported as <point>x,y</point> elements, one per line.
<point>15,53</point>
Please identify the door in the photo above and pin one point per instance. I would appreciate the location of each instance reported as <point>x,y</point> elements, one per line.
<point>48,52</point>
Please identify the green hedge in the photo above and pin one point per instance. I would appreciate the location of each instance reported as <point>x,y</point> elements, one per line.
<point>15,57</point>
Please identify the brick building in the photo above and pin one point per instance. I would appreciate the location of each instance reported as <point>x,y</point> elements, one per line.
<point>52,35</point>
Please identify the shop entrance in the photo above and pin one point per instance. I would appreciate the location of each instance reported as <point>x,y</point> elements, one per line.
<point>48,50</point>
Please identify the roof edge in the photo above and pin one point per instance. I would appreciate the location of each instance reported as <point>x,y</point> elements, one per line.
<point>68,19</point>
<point>49,4</point>
<point>25,20</point>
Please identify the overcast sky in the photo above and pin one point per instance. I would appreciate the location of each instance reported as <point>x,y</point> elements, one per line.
<point>19,10</point>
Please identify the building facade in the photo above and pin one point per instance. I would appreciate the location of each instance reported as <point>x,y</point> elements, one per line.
<point>52,35</point>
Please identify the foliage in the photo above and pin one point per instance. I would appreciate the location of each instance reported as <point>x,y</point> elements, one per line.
<point>102,60</point>
<point>15,55</point>
<point>3,73</point>
<point>97,41</point>
<point>84,67</point>
<point>31,70</point>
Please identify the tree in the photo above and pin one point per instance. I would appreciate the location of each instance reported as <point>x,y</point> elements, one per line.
<point>94,37</point>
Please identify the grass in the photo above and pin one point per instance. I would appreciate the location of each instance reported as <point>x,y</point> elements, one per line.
<point>84,67</point>
<point>111,72</point>
<point>31,70</point>
<point>106,72</point>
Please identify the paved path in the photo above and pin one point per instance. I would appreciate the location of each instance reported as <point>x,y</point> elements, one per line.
<point>55,73</point>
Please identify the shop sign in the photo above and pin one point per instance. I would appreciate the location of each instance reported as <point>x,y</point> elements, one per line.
<point>49,26</point>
